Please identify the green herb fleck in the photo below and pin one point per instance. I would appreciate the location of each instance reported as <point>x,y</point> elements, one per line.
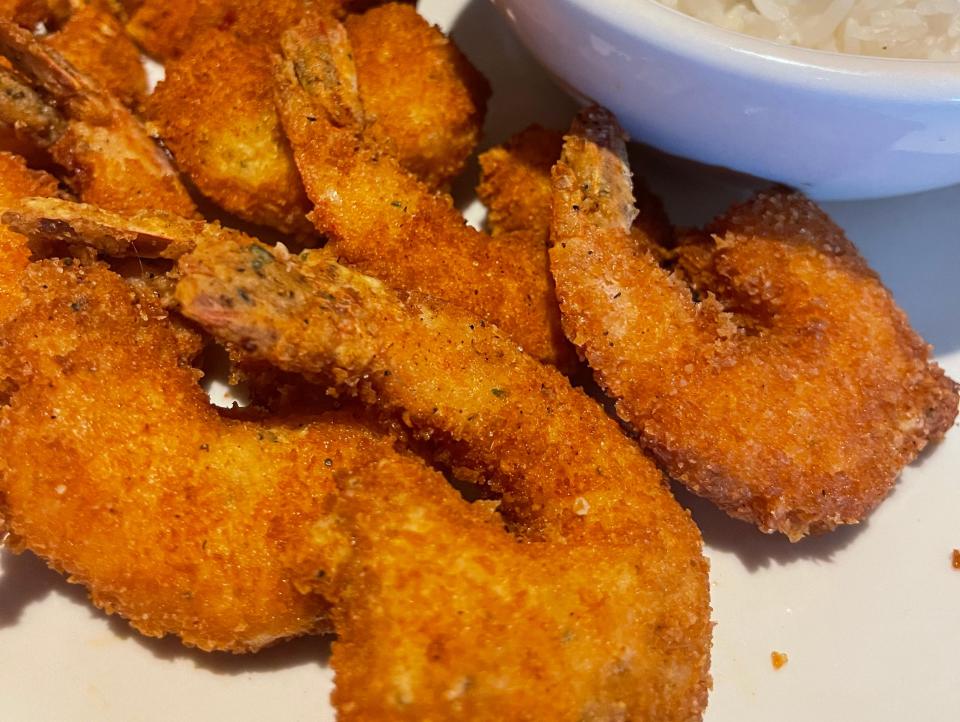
<point>499,393</point>
<point>261,258</point>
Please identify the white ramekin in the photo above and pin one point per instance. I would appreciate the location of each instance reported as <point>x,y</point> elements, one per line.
<point>836,126</point>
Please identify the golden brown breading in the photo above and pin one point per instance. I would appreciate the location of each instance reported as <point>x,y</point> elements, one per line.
<point>109,157</point>
<point>214,111</point>
<point>96,44</point>
<point>515,186</point>
<point>567,476</point>
<point>442,615</point>
<point>385,222</point>
<point>423,101</point>
<point>166,28</point>
<point>600,504</point>
<point>238,156</point>
<point>799,423</point>
<point>515,181</point>
<point>30,13</point>
<point>16,182</point>
<point>120,474</point>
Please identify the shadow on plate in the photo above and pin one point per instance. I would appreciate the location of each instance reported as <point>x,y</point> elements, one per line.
<point>523,93</point>
<point>284,655</point>
<point>757,550</point>
<point>26,580</point>
<point>912,242</point>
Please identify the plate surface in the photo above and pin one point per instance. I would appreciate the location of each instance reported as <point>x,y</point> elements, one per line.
<point>868,615</point>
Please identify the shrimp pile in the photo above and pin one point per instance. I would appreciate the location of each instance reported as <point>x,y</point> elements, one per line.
<point>791,394</point>
<point>759,361</point>
<point>383,220</point>
<point>603,504</point>
<point>109,158</point>
<point>239,157</point>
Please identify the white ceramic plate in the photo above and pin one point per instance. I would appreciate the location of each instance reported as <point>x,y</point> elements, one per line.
<point>869,616</point>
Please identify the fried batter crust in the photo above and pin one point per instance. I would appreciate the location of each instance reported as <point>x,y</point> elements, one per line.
<point>516,187</point>
<point>382,220</point>
<point>442,615</point>
<point>238,155</point>
<point>109,157</point>
<point>97,45</point>
<point>515,181</point>
<point>165,28</point>
<point>118,471</point>
<point>17,182</point>
<point>798,422</point>
<point>423,101</point>
<point>568,478</point>
<point>214,110</point>
<point>121,475</point>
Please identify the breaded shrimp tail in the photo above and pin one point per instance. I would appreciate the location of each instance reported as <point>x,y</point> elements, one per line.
<point>423,100</point>
<point>792,394</point>
<point>440,614</point>
<point>110,159</point>
<point>567,476</point>
<point>382,220</point>
<point>120,474</point>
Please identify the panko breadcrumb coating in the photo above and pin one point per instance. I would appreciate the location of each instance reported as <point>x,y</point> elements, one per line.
<point>121,475</point>
<point>109,158</point>
<point>165,28</point>
<point>515,181</point>
<point>516,187</point>
<point>568,478</point>
<point>171,516</point>
<point>96,44</point>
<point>214,110</point>
<point>601,608</point>
<point>792,394</point>
<point>423,101</point>
<point>238,156</point>
<point>382,220</point>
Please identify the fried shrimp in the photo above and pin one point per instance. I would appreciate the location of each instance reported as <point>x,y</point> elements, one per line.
<point>413,577</point>
<point>382,220</point>
<point>441,614</point>
<point>567,475</point>
<point>92,40</point>
<point>238,156</point>
<point>166,28</point>
<point>423,101</point>
<point>120,474</point>
<point>516,187</point>
<point>50,222</point>
<point>96,44</point>
<point>16,182</point>
<point>792,394</point>
<point>515,181</point>
<point>109,158</point>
